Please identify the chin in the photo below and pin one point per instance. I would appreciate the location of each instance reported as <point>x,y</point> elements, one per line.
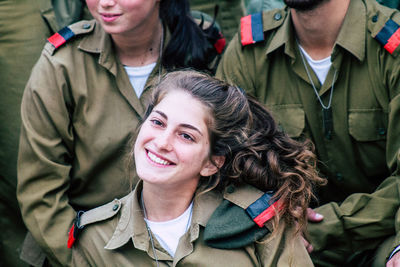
<point>304,5</point>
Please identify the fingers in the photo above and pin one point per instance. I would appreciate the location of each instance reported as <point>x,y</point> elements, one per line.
<point>394,261</point>
<point>308,246</point>
<point>314,216</point>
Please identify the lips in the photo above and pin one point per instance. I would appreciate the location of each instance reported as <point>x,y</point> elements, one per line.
<point>157,159</point>
<point>108,17</point>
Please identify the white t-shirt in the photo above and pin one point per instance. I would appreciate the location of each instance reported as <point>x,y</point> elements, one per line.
<point>168,233</point>
<point>138,76</point>
<point>321,67</point>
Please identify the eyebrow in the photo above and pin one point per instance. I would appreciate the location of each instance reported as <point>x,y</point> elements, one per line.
<point>185,125</point>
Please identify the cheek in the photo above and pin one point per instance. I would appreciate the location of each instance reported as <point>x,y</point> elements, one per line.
<point>140,141</point>
<point>91,4</point>
<point>195,157</point>
<point>132,5</point>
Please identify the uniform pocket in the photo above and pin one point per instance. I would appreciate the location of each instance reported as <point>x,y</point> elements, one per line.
<point>290,117</point>
<point>367,124</point>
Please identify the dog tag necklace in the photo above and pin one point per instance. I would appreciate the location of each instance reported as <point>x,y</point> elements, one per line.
<point>327,120</point>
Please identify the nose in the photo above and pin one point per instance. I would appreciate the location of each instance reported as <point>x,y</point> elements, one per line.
<point>107,3</point>
<point>164,141</point>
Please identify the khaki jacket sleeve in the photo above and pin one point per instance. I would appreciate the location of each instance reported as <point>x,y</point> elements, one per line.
<point>361,222</point>
<point>283,249</point>
<point>44,161</point>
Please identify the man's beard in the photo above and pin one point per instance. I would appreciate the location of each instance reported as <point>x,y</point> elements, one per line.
<point>303,5</point>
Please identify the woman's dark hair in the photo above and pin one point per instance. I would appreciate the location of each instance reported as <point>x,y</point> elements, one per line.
<point>191,44</point>
<point>256,151</point>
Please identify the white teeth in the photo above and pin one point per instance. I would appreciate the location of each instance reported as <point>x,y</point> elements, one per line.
<point>157,159</point>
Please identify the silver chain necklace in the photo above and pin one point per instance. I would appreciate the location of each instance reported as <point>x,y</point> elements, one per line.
<point>326,109</point>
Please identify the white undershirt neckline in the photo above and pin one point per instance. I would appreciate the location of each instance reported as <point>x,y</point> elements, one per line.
<point>320,67</point>
<point>138,76</point>
<point>169,232</point>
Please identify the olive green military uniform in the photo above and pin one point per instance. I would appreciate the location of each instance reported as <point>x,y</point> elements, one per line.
<point>24,27</point>
<point>78,113</point>
<point>230,12</point>
<point>253,6</point>
<point>362,151</point>
<point>123,239</point>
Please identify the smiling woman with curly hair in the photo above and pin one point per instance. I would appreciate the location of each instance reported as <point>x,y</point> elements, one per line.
<point>220,185</point>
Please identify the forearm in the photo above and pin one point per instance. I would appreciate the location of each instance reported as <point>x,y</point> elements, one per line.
<point>361,222</point>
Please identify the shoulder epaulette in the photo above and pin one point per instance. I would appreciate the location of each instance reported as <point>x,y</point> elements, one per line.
<point>67,33</point>
<point>241,218</point>
<point>389,36</point>
<point>263,209</point>
<point>251,29</point>
<point>98,214</point>
<point>61,37</point>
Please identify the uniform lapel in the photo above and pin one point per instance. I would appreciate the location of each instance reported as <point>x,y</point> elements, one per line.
<point>100,43</point>
<point>127,90</point>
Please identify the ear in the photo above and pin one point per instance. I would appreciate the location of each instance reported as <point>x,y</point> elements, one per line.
<point>209,168</point>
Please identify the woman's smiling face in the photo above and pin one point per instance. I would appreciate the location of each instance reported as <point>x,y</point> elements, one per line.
<point>124,16</point>
<point>172,147</point>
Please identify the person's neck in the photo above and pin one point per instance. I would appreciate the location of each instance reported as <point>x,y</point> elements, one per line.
<point>141,48</point>
<point>317,29</point>
<point>164,204</point>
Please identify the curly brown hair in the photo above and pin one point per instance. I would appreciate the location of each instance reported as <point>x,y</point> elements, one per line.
<point>256,151</point>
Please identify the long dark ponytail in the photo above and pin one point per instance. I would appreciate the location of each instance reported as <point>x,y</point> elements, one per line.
<point>191,44</point>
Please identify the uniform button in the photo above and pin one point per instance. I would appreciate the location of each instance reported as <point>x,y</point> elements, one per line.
<point>86,26</point>
<point>339,176</point>
<point>381,131</point>
<point>375,18</point>
<point>277,16</point>
<point>230,189</point>
<point>115,207</point>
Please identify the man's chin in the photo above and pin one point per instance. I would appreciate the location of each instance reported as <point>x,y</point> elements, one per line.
<point>304,5</point>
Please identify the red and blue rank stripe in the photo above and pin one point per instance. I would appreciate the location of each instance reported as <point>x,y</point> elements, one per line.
<point>263,209</point>
<point>61,37</point>
<point>251,29</point>
<point>389,36</point>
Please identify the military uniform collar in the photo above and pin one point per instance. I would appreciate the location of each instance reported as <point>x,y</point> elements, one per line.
<point>100,43</point>
<point>131,225</point>
<point>352,33</point>
<point>351,36</point>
